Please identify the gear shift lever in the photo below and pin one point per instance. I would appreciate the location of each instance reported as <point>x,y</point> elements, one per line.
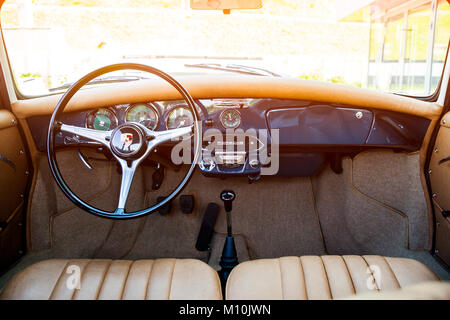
<point>227,196</point>
<point>229,255</point>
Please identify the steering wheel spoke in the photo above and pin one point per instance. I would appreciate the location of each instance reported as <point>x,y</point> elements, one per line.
<point>128,170</point>
<point>158,137</point>
<point>95,135</point>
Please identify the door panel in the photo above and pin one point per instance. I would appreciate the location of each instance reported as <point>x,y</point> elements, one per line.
<point>440,186</point>
<point>14,173</point>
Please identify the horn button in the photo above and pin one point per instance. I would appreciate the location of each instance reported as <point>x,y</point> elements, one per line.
<point>127,141</point>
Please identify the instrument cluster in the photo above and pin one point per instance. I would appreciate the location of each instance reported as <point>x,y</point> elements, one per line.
<point>153,116</point>
<point>166,115</point>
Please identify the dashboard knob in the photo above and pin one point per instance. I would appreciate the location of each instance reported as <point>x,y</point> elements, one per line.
<point>254,164</point>
<point>207,164</point>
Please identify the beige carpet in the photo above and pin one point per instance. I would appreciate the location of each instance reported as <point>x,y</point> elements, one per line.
<point>265,222</point>
<point>393,179</point>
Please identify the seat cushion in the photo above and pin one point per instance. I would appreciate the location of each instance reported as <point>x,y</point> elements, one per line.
<point>325,277</point>
<point>161,279</point>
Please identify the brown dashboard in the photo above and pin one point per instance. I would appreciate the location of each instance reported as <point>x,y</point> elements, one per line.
<point>206,87</point>
<point>308,132</point>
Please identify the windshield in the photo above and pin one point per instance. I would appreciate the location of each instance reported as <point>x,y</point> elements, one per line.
<point>393,46</point>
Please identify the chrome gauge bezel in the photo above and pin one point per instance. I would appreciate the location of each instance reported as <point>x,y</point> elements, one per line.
<point>227,110</point>
<point>149,105</point>
<point>173,108</point>
<point>114,117</point>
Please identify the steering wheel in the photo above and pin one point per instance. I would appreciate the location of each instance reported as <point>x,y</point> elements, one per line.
<point>130,143</point>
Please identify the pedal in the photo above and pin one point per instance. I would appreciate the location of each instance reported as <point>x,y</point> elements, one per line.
<point>165,209</point>
<point>207,228</point>
<point>187,203</point>
<point>158,177</point>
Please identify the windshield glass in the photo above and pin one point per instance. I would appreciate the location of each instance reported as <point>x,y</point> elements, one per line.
<point>393,46</point>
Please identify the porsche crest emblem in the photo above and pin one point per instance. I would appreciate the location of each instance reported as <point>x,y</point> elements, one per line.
<point>126,139</point>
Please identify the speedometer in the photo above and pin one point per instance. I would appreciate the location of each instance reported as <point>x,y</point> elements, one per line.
<point>144,114</point>
<point>101,119</point>
<point>179,117</point>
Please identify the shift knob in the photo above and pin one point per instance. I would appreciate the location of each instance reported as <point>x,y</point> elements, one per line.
<point>227,196</point>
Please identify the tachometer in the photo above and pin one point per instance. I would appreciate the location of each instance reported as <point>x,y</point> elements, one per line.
<point>179,117</point>
<point>144,114</point>
<point>101,119</point>
<point>230,118</point>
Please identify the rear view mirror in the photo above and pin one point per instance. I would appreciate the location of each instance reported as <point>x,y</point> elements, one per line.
<point>225,4</point>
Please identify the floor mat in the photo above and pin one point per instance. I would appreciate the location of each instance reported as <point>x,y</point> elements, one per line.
<point>276,216</point>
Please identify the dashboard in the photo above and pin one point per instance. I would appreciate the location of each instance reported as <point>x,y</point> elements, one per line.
<point>310,133</point>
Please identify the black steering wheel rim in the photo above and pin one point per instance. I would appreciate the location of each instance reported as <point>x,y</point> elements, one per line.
<point>53,128</point>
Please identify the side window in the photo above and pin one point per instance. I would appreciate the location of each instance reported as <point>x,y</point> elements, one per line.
<point>376,40</point>
<point>441,41</point>
<point>392,53</point>
<point>375,52</point>
<point>393,39</point>
<point>417,38</point>
<point>407,49</point>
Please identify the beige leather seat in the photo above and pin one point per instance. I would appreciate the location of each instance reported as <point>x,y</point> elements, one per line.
<point>326,277</point>
<point>170,279</point>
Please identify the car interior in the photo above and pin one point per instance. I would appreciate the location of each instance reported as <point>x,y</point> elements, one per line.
<point>241,185</point>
